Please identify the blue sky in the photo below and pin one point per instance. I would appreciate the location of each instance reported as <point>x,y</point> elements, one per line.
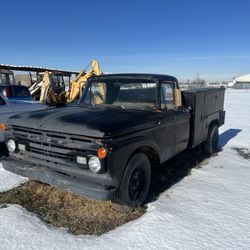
<point>181,38</point>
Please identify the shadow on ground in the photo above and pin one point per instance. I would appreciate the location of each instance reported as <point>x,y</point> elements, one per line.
<point>226,136</point>
<point>174,170</point>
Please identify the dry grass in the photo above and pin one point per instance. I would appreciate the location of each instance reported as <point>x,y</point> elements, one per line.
<point>63,209</point>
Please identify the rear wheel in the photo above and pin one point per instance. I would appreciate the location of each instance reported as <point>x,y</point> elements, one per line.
<point>134,185</point>
<point>211,143</point>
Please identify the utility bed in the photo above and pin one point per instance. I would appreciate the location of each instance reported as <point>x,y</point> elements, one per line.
<point>205,104</point>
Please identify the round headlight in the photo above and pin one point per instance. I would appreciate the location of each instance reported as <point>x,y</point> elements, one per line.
<point>11,145</point>
<point>94,164</point>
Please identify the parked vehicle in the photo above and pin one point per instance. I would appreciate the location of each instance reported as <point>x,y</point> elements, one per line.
<point>9,108</point>
<point>124,125</point>
<point>51,87</point>
<point>15,92</point>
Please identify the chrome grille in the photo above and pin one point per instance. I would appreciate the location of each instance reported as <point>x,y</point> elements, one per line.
<point>53,147</point>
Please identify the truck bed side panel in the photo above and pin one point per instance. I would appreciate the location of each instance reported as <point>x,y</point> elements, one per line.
<point>206,106</point>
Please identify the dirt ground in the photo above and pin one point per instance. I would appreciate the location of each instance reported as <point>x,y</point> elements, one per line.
<point>243,152</point>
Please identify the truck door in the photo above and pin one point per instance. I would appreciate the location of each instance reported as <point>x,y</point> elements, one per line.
<point>180,117</point>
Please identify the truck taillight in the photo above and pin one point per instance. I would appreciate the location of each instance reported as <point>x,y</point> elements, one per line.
<point>8,91</point>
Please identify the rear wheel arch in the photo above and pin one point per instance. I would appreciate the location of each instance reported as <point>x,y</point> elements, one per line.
<point>212,123</point>
<point>210,145</point>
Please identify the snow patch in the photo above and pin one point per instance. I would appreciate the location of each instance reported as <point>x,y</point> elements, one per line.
<point>208,209</point>
<point>9,180</point>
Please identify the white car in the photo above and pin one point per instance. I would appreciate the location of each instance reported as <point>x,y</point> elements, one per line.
<point>9,108</point>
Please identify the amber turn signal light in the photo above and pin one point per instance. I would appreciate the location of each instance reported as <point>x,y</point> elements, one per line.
<point>102,153</point>
<point>3,127</point>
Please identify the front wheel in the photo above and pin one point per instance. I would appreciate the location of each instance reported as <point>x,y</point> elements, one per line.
<point>134,186</point>
<point>211,143</point>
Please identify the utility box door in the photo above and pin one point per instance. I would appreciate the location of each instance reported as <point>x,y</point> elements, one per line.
<point>206,105</point>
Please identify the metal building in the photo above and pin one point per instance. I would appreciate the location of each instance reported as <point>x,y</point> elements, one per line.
<point>242,82</point>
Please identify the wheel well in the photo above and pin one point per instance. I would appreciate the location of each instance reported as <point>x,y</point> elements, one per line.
<point>150,153</point>
<point>212,123</point>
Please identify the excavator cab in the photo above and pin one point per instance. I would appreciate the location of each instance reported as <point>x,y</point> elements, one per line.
<point>58,82</point>
<point>7,77</point>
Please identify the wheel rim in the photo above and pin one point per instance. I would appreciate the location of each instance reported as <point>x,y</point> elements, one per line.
<point>137,185</point>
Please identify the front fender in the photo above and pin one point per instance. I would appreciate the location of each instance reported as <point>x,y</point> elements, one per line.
<point>123,150</point>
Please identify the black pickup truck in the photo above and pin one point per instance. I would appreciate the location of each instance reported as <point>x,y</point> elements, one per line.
<point>123,126</point>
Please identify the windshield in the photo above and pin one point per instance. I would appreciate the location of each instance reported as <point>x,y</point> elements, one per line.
<point>132,94</point>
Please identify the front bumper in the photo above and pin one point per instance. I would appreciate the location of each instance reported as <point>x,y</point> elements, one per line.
<point>2,136</point>
<point>94,186</point>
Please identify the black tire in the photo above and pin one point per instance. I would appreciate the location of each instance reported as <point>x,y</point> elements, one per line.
<point>211,143</point>
<point>134,186</point>
<point>3,149</point>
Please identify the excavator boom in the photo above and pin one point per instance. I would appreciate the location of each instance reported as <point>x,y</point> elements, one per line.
<point>49,86</point>
<point>80,81</point>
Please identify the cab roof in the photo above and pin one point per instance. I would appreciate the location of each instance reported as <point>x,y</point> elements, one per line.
<point>159,77</point>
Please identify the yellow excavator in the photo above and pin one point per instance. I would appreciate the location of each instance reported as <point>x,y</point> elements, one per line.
<point>51,93</point>
<point>49,86</point>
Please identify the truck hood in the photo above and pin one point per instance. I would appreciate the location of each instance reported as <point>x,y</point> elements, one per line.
<point>92,121</point>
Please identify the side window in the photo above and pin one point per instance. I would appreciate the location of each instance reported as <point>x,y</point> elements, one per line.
<point>21,91</point>
<point>95,94</point>
<point>167,96</point>
<point>2,102</point>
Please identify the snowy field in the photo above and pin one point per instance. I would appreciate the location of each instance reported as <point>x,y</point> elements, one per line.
<point>209,209</point>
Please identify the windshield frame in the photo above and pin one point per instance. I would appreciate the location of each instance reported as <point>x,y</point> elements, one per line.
<point>106,79</point>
